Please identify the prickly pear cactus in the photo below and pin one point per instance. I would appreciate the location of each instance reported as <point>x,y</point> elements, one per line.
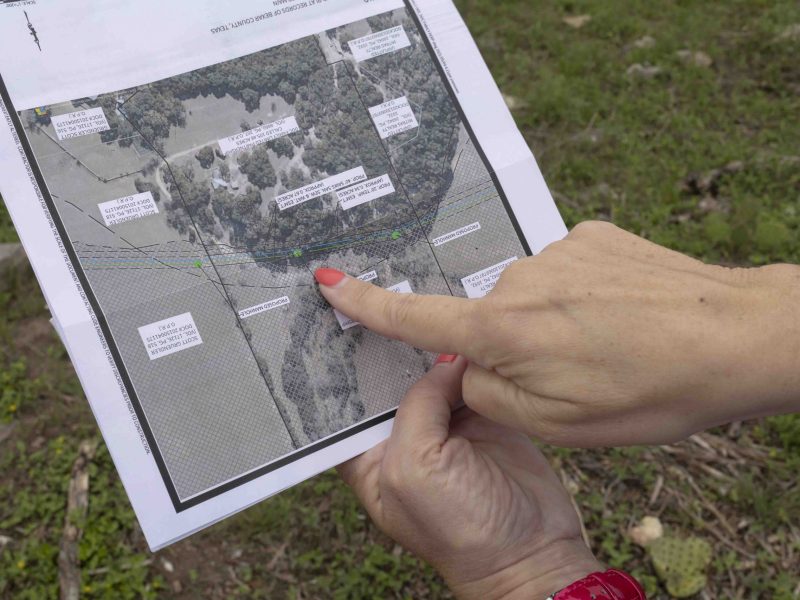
<point>681,564</point>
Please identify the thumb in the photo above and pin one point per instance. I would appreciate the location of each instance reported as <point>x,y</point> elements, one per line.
<point>435,323</point>
<point>423,417</point>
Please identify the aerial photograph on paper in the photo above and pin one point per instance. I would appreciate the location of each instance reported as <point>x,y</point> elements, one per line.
<point>199,206</point>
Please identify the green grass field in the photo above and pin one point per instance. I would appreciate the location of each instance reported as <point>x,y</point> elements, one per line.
<point>678,120</point>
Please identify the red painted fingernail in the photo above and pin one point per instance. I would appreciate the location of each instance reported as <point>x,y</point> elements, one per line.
<point>329,277</point>
<point>444,359</point>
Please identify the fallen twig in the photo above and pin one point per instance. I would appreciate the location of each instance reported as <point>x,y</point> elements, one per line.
<point>69,573</point>
<point>569,483</point>
<point>656,490</point>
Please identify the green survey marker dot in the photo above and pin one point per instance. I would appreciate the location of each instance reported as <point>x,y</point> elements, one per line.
<point>198,264</point>
<point>396,235</point>
<point>297,253</point>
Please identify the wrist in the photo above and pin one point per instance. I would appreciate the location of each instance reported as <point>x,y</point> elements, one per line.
<point>766,369</point>
<point>535,577</point>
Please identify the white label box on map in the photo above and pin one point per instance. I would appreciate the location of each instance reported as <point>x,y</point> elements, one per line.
<point>258,135</point>
<point>83,122</point>
<point>365,191</point>
<point>128,208</point>
<point>346,322</point>
<point>481,283</point>
<point>401,288</point>
<point>378,44</point>
<point>454,235</point>
<point>320,188</point>
<point>394,117</point>
<point>368,276</point>
<point>170,336</point>
<point>260,308</point>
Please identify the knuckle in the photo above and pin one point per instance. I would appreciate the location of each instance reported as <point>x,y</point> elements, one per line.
<point>397,308</point>
<point>589,229</point>
<point>423,389</point>
<point>477,318</point>
<point>515,269</point>
<point>557,249</point>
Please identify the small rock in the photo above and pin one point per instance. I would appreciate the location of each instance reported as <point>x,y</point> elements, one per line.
<point>4,541</point>
<point>648,530</point>
<point>570,484</point>
<point>647,41</point>
<point>577,21</point>
<point>643,71</point>
<point>168,566</point>
<point>698,59</point>
<point>791,33</point>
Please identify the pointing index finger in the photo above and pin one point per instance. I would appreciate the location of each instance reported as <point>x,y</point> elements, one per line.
<point>435,323</point>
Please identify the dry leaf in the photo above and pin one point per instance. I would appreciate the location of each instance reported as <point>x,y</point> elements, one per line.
<point>648,530</point>
<point>577,21</point>
<point>513,102</point>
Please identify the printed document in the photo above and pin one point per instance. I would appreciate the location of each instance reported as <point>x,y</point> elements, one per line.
<point>178,170</point>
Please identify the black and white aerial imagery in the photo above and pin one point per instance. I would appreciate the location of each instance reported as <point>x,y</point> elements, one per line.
<point>199,206</point>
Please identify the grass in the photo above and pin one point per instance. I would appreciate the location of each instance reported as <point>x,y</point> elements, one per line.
<point>703,159</point>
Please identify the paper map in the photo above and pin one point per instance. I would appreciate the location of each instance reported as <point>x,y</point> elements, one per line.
<point>193,210</point>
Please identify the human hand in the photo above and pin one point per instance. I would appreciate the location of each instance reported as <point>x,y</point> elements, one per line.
<point>607,339</point>
<point>476,500</point>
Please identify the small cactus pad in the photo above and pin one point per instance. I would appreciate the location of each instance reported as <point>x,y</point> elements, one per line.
<point>681,564</point>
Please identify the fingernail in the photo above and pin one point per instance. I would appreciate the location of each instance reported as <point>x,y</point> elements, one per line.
<point>329,277</point>
<point>444,359</point>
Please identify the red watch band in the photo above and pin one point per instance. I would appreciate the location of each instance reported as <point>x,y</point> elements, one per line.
<point>611,585</point>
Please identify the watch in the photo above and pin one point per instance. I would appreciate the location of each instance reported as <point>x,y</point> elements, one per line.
<point>611,585</point>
